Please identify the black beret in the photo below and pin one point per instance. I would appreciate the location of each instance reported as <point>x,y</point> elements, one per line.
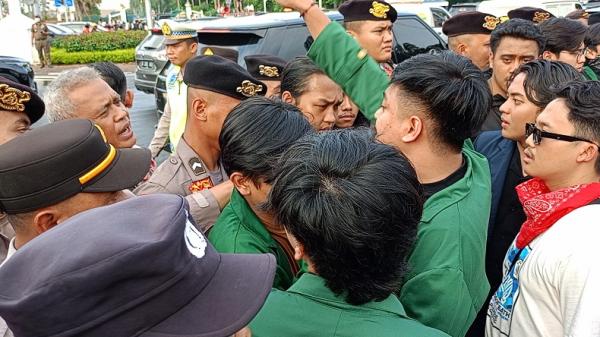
<point>220,75</point>
<point>265,67</point>
<point>537,15</point>
<point>228,53</point>
<point>54,162</point>
<point>368,10</point>
<point>470,23</point>
<point>20,98</point>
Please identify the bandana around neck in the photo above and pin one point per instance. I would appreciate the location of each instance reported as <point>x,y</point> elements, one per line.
<point>544,207</point>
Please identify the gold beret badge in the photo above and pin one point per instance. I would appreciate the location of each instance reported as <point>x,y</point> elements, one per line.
<point>490,22</point>
<point>379,10</point>
<point>249,89</point>
<point>13,99</point>
<point>539,17</point>
<point>268,71</point>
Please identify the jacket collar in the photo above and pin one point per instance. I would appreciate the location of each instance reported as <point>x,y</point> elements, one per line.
<point>313,286</point>
<point>249,220</point>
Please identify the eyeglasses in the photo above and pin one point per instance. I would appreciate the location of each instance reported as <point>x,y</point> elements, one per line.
<point>531,129</point>
<point>577,53</point>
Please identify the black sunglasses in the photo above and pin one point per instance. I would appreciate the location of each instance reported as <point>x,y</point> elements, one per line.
<point>531,129</point>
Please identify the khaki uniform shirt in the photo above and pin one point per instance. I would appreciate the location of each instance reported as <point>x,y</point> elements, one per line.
<point>39,31</point>
<point>185,174</point>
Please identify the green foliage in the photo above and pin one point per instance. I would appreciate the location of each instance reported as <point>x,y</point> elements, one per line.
<point>100,41</point>
<point>61,56</point>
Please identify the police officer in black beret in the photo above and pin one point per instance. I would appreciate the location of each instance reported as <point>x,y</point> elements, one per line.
<point>268,69</point>
<point>469,35</point>
<point>215,86</point>
<point>20,107</point>
<point>534,14</point>
<point>370,23</point>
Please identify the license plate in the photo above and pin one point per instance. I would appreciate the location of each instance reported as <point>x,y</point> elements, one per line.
<point>146,64</point>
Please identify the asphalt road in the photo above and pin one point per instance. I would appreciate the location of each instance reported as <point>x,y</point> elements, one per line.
<point>143,113</point>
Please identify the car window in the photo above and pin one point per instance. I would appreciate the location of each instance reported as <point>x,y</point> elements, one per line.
<point>293,45</point>
<point>154,41</point>
<point>245,43</point>
<point>412,38</point>
<point>439,16</point>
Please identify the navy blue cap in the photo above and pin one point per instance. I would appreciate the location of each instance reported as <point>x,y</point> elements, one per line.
<point>135,268</point>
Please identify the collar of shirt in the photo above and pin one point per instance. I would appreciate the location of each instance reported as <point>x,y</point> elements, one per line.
<point>249,219</point>
<point>313,286</point>
<point>11,251</point>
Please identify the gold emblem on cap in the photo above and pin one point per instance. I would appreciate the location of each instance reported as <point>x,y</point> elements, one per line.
<point>208,51</point>
<point>13,99</point>
<point>166,30</point>
<point>490,22</point>
<point>249,89</point>
<point>268,71</point>
<point>379,10</point>
<point>539,17</point>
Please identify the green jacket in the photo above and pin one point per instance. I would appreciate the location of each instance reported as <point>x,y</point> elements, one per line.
<point>447,284</point>
<point>589,74</point>
<point>238,230</point>
<point>309,308</point>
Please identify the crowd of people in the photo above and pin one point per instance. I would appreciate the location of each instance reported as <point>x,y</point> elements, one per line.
<point>337,194</point>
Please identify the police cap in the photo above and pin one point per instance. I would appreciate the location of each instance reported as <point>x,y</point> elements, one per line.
<point>20,98</point>
<point>368,10</point>
<point>54,162</point>
<point>176,32</point>
<point>220,75</point>
<point>470,23</point>
<point>265,67</point>
<point>537,15</point>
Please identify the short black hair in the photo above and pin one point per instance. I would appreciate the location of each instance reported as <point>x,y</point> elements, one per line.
<point>113,76</point>
<point>355,205</point>
<point>520,29</point>
<point>453,90</point>
<point>562,34</point>
<point>255,134</point>
<point>592,36</point>
<point>541,76</point>
<point>583,101</point>
<point>297,74</point>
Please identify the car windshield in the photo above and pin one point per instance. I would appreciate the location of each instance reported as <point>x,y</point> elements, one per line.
<point>154,41</point>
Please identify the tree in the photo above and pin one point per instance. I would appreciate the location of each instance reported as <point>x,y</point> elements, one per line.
<point>86,7</point>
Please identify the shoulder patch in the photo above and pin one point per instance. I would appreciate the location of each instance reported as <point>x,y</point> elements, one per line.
<point>201,185</point>
<point>196,166</point>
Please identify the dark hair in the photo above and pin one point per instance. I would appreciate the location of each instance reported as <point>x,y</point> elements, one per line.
<point>113,76</point>
<point>541,76</point>
<point>354,204</point>
<point>577,14</point>
<point>296,75</point>
<point>520,29</point>
<point>255,134</point>
<point>562,34</point>
<point>592,36</point>
<point>583,100</point>
<point>454,92</point>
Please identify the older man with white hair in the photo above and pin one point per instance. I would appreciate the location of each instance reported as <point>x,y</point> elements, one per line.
<point>81,93</point>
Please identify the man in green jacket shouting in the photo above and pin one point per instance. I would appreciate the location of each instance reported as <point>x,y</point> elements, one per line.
<point>432,106</point>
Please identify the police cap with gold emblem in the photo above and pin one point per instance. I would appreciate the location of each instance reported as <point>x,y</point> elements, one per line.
<point>16,97</point>
<point>220,75</point>
<point>367,10</point>
<point>537,15</point>
<point>175,32</point>
<point>54,162</point>
<point>265,67</point>
<point>470,23</point>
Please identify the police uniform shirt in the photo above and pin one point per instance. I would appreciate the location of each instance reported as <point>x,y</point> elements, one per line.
<point>185,174</point>
<point>40,31</point>
<point>6,234</point>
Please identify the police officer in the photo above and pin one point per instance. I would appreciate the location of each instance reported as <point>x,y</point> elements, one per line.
<point>20,107</point>
<point>182,44</point>
<point>469,35</point>
<point>39,37</point>
<point>215,86</point>
<point>267,68</point>
<point>370,23</point>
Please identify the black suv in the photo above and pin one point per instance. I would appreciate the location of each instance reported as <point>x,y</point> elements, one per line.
<point>17,70</point>
<point>285,35</point>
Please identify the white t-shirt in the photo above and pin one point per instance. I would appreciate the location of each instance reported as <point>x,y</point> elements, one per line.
<point>553,286</point>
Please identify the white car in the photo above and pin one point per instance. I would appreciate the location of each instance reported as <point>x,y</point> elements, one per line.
<point>501,7</point>
<point>431,12</point>
<point>78,26</point>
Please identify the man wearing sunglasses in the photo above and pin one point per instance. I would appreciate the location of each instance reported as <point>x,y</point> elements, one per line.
<point>551,277</point>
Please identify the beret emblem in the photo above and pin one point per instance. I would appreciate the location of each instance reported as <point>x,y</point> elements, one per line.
<point>539,17</point>
<point>268,71</point>
<point>490,22</point>
<point>12,99</point>
<point>249,89</point>
<point>166,30</point>
<point>379,10</point>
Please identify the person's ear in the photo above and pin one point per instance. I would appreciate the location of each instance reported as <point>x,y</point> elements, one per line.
<point>194,48</point>
<point>128,99</point>
<point>461,49</point>
<point>491,60</point>
<point>548,55</point>
<point>589,153</point>
<point>241,183</point>
<point>415,128</point>
<point>45,219</point>
<point>287,97</point>
<point>198,110</point>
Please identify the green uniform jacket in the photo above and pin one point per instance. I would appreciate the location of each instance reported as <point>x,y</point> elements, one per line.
<point>309,308</point>
<point>238,230</point>
<point>589,74</point>
<point>447,284</point>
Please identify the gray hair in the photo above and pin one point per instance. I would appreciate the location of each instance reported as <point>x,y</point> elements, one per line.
<point>58,104</point>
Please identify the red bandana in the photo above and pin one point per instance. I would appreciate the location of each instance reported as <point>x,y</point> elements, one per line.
<point>543,207</point>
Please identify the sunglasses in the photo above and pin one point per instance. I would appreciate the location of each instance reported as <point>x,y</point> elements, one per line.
<point>531,129</point>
